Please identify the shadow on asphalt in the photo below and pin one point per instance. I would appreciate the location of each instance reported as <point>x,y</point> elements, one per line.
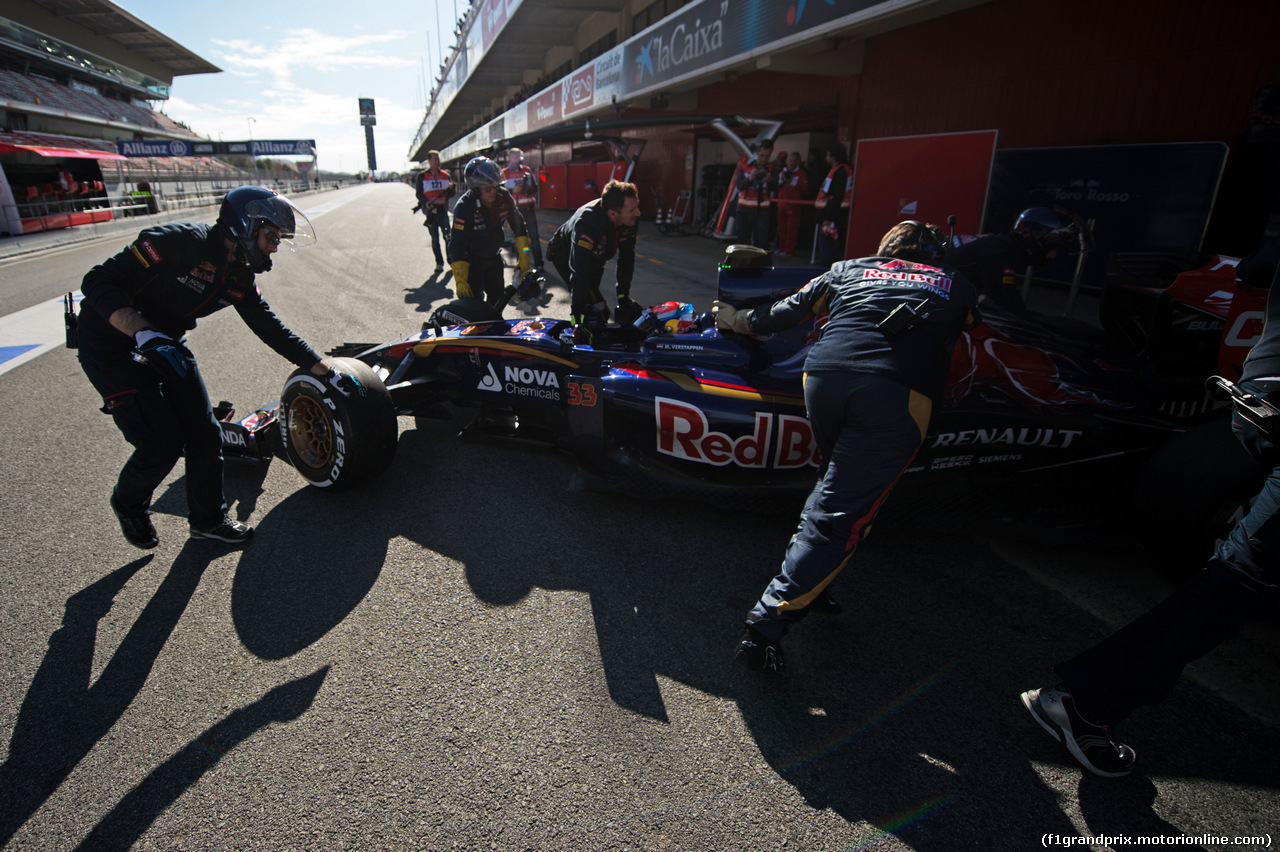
<point>64,715</point>
<point>903,712</point>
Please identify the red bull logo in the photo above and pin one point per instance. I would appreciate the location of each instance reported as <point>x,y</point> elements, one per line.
<point>778,441</point>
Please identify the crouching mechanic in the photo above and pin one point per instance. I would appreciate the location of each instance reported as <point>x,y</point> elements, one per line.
<point>582,246</point>
<point>138,307</point>
<point>474,249</point>
<point>870,385</point>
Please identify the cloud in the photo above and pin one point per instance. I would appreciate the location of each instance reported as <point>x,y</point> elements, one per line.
<point>305,85</point>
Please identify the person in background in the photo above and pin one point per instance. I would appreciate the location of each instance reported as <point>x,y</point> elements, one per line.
<point>434,190</point>
<point>523,186</point>
<point>835,198</point>
<point>757,182</point>
<point>793,185</point>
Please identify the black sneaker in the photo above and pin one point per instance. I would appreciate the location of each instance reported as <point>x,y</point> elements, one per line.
<point>754,652</point>
<point>229,530</point>
<point>1093,745</point>
<point>137,527</point>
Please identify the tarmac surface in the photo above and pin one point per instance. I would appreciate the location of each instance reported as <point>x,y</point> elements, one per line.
<point>472,654</point>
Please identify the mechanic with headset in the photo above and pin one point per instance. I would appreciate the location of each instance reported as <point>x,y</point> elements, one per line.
<point>474,248</point>
<point>434,191</point>
<point>519,181</point>
<point>582,246</point>
<point>138,307</point>
<point>870,384</point>
<point>1142,662</point>
<point>990,260</point>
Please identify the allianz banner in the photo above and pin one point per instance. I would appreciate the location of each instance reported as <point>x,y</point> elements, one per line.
<point>208,148</point>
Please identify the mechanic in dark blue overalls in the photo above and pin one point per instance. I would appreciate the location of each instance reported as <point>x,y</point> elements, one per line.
<point>870,385</point>
<point>1141,663</point>
<point>138,307</point>
<point>580,248</point>
<point>474,248</point>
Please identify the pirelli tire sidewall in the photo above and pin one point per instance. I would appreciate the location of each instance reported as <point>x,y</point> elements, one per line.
<point>334,441</point>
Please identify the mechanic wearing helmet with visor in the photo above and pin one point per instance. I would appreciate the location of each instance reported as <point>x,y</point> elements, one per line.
<point>990,260</point>
<point>138,307</point>
<point>477,233</point>
<point>870,384</point>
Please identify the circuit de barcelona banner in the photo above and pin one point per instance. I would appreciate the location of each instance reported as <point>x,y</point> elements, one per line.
<point>203,148</point>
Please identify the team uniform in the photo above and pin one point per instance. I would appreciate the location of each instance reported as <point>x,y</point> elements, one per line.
<point>756,187</point>
<point>476,242</point>
<point>524,189</point>
<point>834,200</point>
<point>990,262</point>
<point>434,191</point>
<point>579,250</point>
<point>793,185</point>
<point>173,275</point>
<point>869,391</point>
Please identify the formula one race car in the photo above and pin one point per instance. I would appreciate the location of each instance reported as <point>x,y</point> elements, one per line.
<point>677,408</point>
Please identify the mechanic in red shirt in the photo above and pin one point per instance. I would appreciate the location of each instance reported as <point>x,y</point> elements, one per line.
<point>757,182</point>
<point>434,191</point>
<point>793,185</point>
<point>523,186</point>
<point>870,385</point>
<point>138,307</point>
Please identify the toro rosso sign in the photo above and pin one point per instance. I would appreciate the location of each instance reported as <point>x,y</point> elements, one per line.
<point>778,441</point>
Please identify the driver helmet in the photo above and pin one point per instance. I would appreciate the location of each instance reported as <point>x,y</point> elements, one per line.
<point>481,172</point>
<point>247,208</point>
<point>1046,229</point>
<point>675,317</point>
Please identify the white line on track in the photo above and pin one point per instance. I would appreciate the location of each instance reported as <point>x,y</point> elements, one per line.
<point>29,333</point>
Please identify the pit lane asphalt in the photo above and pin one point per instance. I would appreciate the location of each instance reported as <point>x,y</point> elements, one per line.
<point>469,655</point>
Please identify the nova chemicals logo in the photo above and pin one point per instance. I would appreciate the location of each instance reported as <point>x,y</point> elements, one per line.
<point>490,382</point>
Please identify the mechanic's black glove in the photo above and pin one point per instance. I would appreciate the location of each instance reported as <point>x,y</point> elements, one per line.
<point>628,311</point>
<point>345,383</point>
<point>163,354</point>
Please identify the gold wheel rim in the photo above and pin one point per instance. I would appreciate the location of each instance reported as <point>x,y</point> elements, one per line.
<point>309,432</point>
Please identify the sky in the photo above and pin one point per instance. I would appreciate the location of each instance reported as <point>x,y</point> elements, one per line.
<point>296,72</point>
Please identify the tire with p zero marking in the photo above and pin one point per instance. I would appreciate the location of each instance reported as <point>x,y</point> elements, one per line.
<point>335,441</point>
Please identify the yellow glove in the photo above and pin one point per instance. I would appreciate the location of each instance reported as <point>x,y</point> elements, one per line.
<point>522,253</point>
<point>462,269</point>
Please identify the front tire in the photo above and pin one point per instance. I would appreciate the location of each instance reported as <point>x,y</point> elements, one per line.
<point>334,441</point>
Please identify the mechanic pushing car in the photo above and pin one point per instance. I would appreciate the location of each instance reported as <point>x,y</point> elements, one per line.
<point>582,246</point>
<point>138,307</point>
<point>1141,663</point>
<point>989,260</point>
<point>870,385</point>
<point>474,248</point>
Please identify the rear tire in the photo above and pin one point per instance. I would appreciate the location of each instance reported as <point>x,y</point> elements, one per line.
<point>334,441</point>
